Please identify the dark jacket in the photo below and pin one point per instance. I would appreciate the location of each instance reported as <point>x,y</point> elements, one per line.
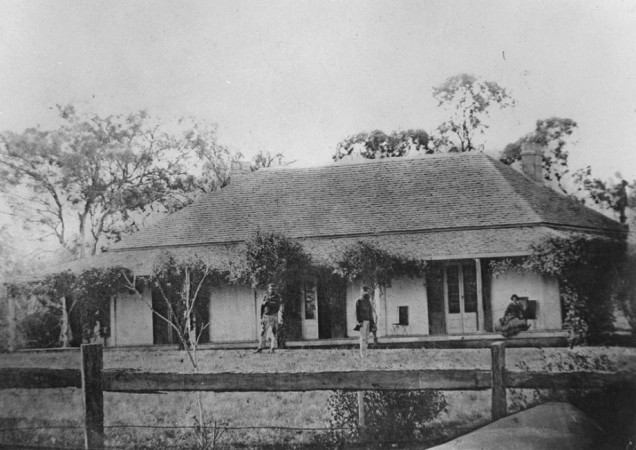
<point>515,310</point>
<point>271,304</point>
<point>364,310</point>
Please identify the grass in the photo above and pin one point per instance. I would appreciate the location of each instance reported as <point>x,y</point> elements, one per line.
<point>317,360</point>
<point>63,407</point>
<point>126,415</point>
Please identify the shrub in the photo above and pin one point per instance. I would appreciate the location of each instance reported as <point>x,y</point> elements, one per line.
<point>391,416</point>
<point>612,407</point>
<point>626,287</point>
<point>41,329</point>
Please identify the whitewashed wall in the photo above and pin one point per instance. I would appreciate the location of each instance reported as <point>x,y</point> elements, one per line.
<point>232,314</point>
<point>403,292</point>
<point>534,286</point>
<point>131,320</point>
<point>412,293</point>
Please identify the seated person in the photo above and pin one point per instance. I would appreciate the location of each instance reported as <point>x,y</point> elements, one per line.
<point>514,320</point>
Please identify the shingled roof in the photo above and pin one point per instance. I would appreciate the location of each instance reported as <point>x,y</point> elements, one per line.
<point>391,196</point>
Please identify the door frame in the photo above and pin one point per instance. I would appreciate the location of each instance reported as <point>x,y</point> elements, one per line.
<point>479,313</point>
<point>309,327</point>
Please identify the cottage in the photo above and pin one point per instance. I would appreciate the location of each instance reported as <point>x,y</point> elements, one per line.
<point>458,212</point>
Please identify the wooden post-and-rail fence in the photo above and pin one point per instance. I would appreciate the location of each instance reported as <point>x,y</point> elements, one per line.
<point>93,379</point>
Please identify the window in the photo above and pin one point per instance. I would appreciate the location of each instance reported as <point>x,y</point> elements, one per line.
<point>470,288</point>
<point>452,281</point>
<point>403,315</point>
<point>310,301</point>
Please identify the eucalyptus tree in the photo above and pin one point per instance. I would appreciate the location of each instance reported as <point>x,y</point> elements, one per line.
<point>94,178</point>
<point>378,144</point>
<point>469,101</point>
<point>554,134</point>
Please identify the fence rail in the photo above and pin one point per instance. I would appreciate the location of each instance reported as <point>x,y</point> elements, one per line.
<point>94,380</point>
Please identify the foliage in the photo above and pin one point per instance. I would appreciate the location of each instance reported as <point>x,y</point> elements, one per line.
<point>270,258</point>
<point>391,416</point>
<point>374,266</point>
<point>185,289</point>
<point>625,287</point>
<point>588,271</point>
<point>10,263</point>
<point>92,292</point>
<point>613,407</point>
<point>377,144</point>
<point>47,290</point>
<point>573,361</point>
<point>61,284</point>
<point>553,134</point>
<point>617,196</point>
<point>183,286</point>
<point>207,436</point>
<point>274,258</point>
<point>88,292</point>
<point>41,329</point>
<point>44,299</point>
<point>56,292</point>
<point>213,160</point>
<point>96,177</point>
<point>469,101</point>
<point>264,160</point>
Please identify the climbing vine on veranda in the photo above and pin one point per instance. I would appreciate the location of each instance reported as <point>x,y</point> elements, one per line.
<point>588,270</point>
<point>89,292</point>
<point>374,266</point>
<point>269,258</point>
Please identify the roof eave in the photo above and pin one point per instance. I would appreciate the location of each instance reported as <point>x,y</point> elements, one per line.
<point>590,230</point>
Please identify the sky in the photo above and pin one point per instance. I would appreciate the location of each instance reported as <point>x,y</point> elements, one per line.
<point>299,76</point>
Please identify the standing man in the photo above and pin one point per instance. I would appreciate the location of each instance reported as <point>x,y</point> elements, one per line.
<point>364,317</point>
<point>269,317</point>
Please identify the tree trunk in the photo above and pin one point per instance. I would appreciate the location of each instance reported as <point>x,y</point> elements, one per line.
<point>82,235</point>
<point>83,217</point>
<point>11,319</point>
<point>378,308</point>
<point>64,328</point>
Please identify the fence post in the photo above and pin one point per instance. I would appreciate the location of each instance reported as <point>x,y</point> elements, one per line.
<point>92,384</point>
<point>11,319</point>
<point>499,403</point>
<point>362,419</point>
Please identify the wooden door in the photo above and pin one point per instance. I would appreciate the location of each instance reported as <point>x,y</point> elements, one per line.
<point>309,311</point>
<point>461,298</point>
<point>435,290</point>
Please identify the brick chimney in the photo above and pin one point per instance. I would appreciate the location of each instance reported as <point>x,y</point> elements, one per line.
<point>532,161</point>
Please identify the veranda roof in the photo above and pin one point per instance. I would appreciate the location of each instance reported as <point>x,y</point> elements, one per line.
<point>462,244</point>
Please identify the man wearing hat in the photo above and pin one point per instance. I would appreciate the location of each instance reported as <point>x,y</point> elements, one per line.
<point>364,317</point>
<point>269,317</point>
